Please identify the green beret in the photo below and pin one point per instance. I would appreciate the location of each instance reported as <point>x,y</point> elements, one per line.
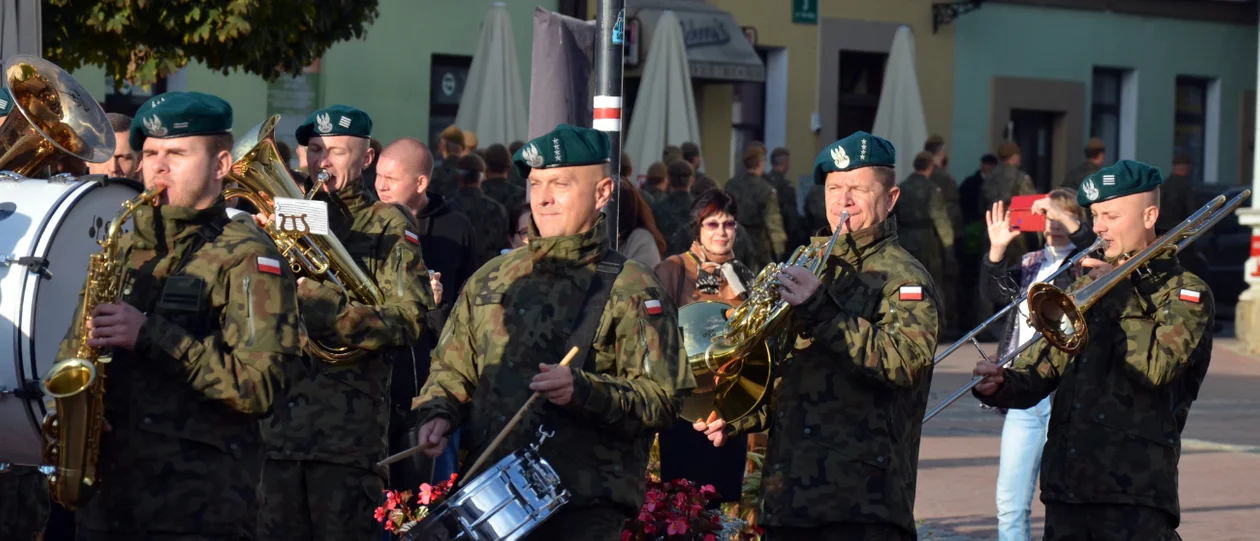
<point>6,101</point>
<point>1125,177</point>
<point>565,146</point>
<point>180,114</point>
<point>335,120</point>
<point>853,152</point>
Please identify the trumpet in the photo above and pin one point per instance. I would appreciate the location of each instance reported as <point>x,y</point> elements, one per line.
<point>1059,317</point>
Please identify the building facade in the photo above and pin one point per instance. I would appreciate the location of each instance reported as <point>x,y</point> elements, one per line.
<point>407,72</point>
<point>1150,80</point>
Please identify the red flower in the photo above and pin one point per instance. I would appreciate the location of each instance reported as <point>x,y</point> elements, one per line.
<point>649,528</point>
<point>626,535</point>
<point>426,494</point>
<point>677,526</point>
<point>708,491</point>
<point>709,537</point>
<point>381,513</point>
<point>389,526</point>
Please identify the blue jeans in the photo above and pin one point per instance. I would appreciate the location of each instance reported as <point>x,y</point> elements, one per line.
<point>1023,439</point>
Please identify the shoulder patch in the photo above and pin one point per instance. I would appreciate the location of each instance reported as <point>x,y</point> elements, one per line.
<point>653,307</point>
<point>269,265</point>
<point>411,237</point>
<point>910,293</point>
<point>1190,295</point>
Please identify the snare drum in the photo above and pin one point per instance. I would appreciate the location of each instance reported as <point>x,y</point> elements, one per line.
<point>507,502</point>
<point>54,224</point>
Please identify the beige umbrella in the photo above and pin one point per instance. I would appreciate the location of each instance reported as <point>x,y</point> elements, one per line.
<point>493,104</point>
<point>20,24</point>
<point>665,110</point>
<point>899,118</point>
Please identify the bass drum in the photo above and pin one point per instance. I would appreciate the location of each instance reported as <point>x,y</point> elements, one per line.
<point>48,228</point>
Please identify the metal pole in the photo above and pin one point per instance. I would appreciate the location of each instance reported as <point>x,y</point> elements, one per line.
<point>610,25</point>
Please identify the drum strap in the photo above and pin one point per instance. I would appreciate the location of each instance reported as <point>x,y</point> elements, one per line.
<point>588,316</point>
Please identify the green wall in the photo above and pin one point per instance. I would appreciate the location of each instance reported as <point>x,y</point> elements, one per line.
<point>1001,40</point>
<point>385,74</point>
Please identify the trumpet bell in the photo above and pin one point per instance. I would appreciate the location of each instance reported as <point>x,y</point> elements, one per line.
<point>60,117</point>
<point>733,387</point>
<point>1058,317</point>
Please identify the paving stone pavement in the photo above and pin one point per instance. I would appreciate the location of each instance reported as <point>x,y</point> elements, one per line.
<point>1219,469</point>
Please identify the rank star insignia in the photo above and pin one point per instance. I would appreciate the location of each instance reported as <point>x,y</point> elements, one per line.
<point>841,158</point>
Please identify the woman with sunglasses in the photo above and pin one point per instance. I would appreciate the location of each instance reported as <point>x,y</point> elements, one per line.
<point>707,271</point>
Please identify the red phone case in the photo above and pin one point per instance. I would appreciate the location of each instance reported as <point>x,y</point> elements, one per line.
<point>1022,217</point>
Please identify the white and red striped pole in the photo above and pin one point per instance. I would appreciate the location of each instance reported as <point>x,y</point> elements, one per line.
<point>610,25</point>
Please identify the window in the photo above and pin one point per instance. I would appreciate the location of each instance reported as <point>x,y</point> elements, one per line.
<point>1190,124</point>
<point>748,117</point>
<point>861,80</point>
<point>1105,111</point>
<point>447,76</point>
<point>128,99</point>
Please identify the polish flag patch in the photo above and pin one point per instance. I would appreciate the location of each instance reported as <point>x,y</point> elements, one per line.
<point>653,307</point>
<point>412,237</point>
<point>1190,295</point>
<point>269,265</point>
<point>910,293</point>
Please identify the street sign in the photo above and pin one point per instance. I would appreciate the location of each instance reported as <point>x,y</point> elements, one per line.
<point>805,11</point>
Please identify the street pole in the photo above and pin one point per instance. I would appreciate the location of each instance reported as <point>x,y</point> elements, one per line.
<point>609,38</point>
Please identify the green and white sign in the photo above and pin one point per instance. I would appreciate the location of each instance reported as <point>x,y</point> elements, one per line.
<point>805,11</point>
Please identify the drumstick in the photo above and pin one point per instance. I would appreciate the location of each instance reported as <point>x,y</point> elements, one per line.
<point>520,414</point>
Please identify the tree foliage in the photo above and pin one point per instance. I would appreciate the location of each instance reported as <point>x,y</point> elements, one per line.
<point>139,41</point>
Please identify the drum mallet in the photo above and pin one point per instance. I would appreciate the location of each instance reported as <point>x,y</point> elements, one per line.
<point>497,440</point>
<point>520,414</point>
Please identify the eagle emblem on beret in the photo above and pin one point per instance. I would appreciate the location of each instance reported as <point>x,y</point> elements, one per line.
<point>532,157</point>
<point>323,123</point>
<point>1091,191</point>
<point>153,124</point>
<point>840,156</point>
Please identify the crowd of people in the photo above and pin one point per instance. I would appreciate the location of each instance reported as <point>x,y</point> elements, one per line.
<point>228,420</point>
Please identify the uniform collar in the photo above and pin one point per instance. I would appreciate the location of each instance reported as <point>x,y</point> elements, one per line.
<point>571,251</point>
<point>162,225</point>
<point>1163,263</point>
<point>854,246</point>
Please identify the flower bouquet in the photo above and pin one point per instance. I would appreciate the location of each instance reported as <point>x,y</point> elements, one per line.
<point>675,511</point>
<point>397,513</point>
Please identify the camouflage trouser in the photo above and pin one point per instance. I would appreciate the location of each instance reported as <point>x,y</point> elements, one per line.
<point>1072,522</point>
<point>838,531</point>
<point>312,501</point>
<point>23,503</point>
<point>599,523</point>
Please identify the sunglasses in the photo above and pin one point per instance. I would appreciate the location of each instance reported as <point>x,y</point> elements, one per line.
<point>714,225</point>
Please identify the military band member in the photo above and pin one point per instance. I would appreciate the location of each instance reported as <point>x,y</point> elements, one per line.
<point>1109,470</point>
<point>849,399</point>
<point>203,342</point>
<point>125,162</point>
<point>323,443</point>
<point>513,322</point>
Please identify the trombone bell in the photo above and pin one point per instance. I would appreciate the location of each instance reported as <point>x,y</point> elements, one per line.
<point>1056,315</point>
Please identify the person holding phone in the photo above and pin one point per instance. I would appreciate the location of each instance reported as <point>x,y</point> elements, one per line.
<point>1024,431</point>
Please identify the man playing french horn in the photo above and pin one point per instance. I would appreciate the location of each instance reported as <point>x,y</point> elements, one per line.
<point>1109,470</point>
<point>321,480</point>
<point>849,399</point>
<point>202,340</point>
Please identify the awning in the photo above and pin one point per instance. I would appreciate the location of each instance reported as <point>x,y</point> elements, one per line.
<point>716,47</point>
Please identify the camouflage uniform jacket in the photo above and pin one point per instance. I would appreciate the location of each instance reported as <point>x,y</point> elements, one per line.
<point>759,214</point>
<point>1077,175</point>
<point>184,404</point>
<point>792,221</point>
<point>848,403</point>
<point>953,205</point>
<point>1121,404</point>
<point>518,312</point>
<point>1005,182</point>
<point>339,414</point>
<point>506,193</point>
<point>926,231</point>
<point>489,220</point>
<point>673,220</point>
<point>24,505</point>
<point>816,209</point>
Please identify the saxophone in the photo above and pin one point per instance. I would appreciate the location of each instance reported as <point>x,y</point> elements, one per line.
<point>72,431</point>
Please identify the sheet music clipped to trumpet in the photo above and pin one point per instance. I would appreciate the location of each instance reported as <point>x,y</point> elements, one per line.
<point>301,216</point>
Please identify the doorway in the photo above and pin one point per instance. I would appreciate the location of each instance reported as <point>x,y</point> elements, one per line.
<point>1033,131</point>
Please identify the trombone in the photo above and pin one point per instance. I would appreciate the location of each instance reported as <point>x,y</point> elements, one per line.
<point>1060,318</point>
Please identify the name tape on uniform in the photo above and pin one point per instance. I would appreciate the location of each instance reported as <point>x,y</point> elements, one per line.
<point>910,293</point>
<point>301,216</point>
